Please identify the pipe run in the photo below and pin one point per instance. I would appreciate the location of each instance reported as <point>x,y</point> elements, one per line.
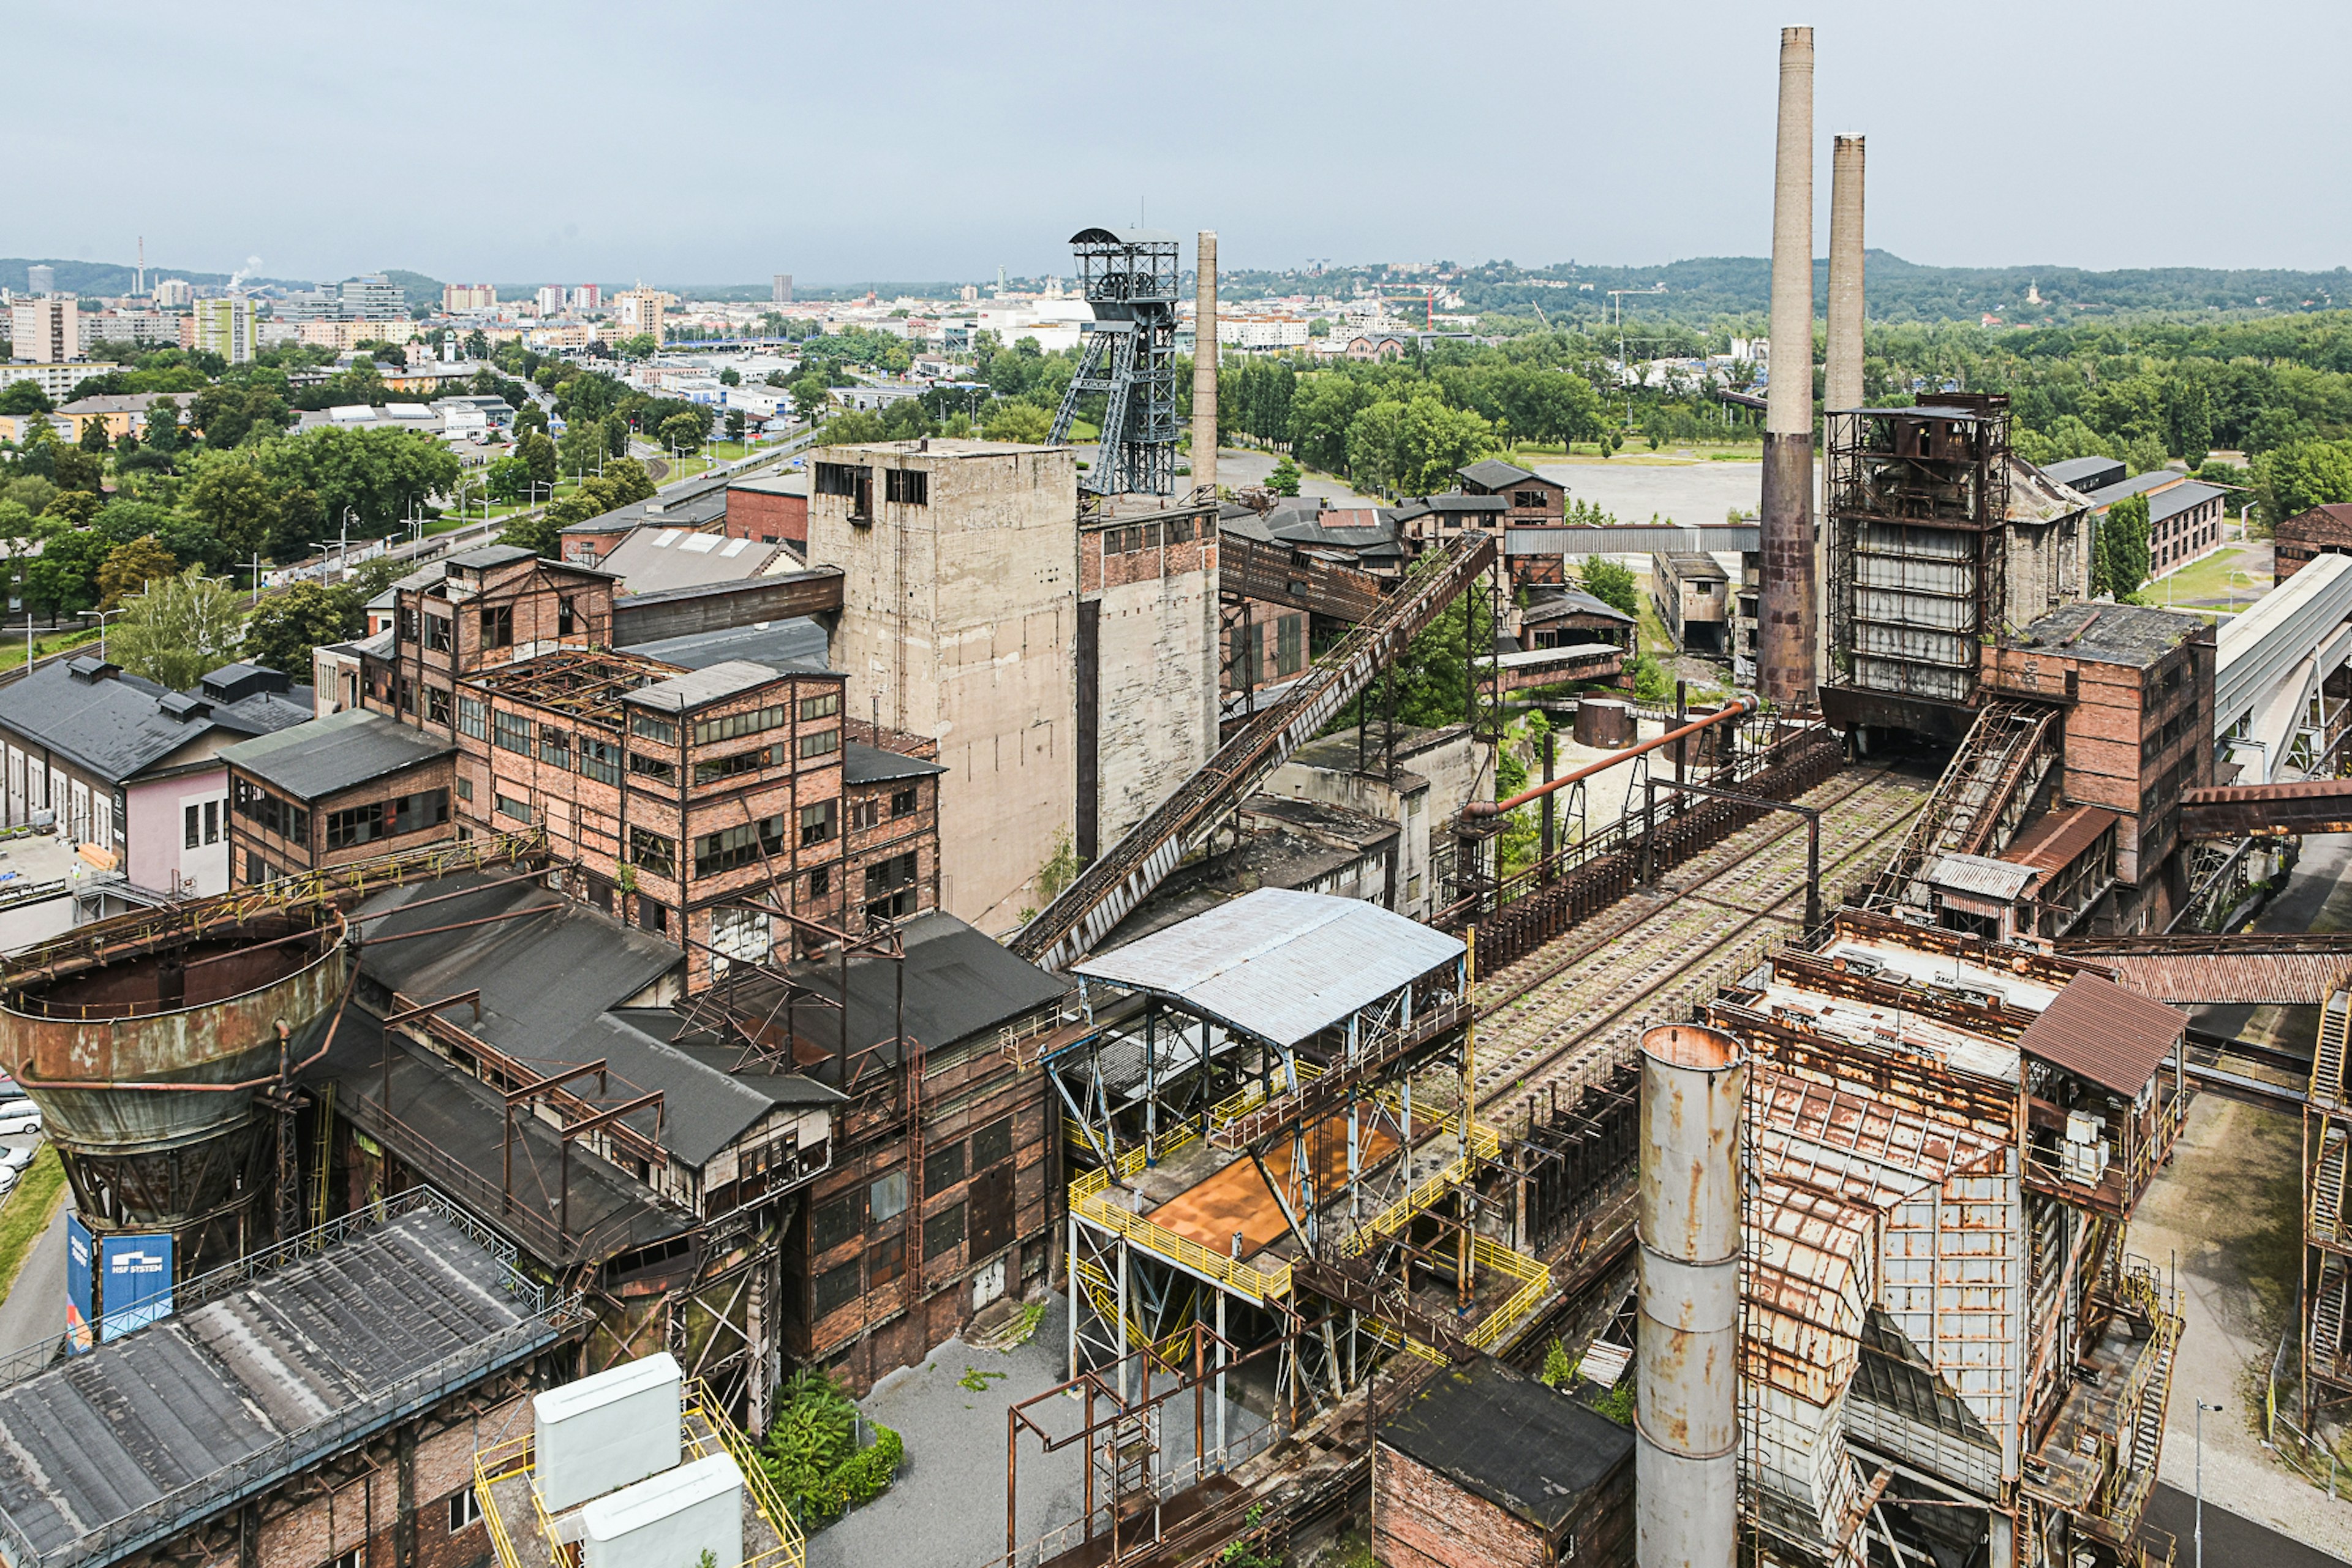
<point>1739,708</point>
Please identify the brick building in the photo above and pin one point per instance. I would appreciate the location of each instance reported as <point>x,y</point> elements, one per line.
<point>2136,690</point>
<point>1529,500</point>
<point>1483,1467</point>
<point>772,508</point>
<point>2307,535</point>
<point>333,791</point>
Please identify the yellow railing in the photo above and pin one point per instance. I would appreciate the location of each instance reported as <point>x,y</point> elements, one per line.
<point>703,1429</point>
<point>1089,1203</point>
<point>1501,1259</point>
<point>1103,1292</point>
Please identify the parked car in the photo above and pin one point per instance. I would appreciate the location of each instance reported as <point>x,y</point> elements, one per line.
<point>26,1121</point>
<point>14,1160</point>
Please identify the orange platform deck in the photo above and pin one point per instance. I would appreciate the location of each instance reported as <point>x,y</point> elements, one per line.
<point>1234,1197</point>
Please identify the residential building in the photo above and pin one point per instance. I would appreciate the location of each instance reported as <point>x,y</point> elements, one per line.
<point>780,289</point>
<point>46,330</point>
<point>122,414</point>
<point>225,327</point>
<point>57,378</point>
<point>133,770</point>
<point>1529,500</point>
<point>959,620</point>
<point>2325,529</point>
<point>343,334</point>
<point>2184,515</point>
<point>174,294</point>
<point>459,298</point>
<point>551,301</point>
<point>129,327</point>
<point>374,295</point>
<point>40,280</point>
<point>585,297</point>
<point>640,310</point>
<point>1262,332</point>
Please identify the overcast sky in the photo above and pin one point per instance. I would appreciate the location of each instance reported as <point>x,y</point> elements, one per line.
<point>902,139</point>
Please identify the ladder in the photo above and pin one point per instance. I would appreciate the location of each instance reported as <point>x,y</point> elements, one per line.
<point>2328,1313</point>
<point>321,1154</point>
<point>2327,1216</point>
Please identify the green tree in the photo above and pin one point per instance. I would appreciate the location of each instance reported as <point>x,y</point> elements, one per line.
<point>180,628</point>
<point>529,416</point>
<point>77,470</point>
<point>477,344</point>
<point>683,433</point>
<point>1285,480</point>
<point>507,478</point>
<point>93,437</point>
<point>734,425</point>
<point>537,454</point>
<point>63,579</point>
<point>811,392</point>
<point>2301,475</point>
<point>1023,422</point>
<point>378,475</point>
<point>1612,584</point>
<point>128,568</point>
<point>25,397</point>
<point>581,449</point>
<point>2120,555</point>
<point>641,346</point>
<point>282,632</point>
<point>30,491</point>
<point>163,425</point>
<point>74,509</point>
<point>731,376</point>
<point>235,501</point>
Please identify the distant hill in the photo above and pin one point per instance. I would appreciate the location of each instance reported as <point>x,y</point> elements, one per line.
<point>96,276</point>
<point>1703,288</point>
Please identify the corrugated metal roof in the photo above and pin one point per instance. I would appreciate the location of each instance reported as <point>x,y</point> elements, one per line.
<point>711,683</point>
<point>2281,979</point>
<point>1279,964</point>
<point>1984,877</point>
<point>2101,1031</point>
<point>2059,840</point>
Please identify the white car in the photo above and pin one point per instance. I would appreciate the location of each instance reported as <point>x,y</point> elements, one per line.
<point>7,1182</point>
<point>15,1159</point>
<point>26,1121</point>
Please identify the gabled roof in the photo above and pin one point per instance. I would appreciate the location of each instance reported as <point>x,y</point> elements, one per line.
<point>115,726</point>
<point>1560,602</point>
<point>324,756</point>
<point>1494,474</point>
<point>2098,1030</point>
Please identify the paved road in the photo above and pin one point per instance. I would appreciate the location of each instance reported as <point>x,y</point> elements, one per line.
<point>2231,1542</point>
<point>35,1307</point>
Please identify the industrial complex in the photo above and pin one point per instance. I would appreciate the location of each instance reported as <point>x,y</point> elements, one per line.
<point>1709,1133</point>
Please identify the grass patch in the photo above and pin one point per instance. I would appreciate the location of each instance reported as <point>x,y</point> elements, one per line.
<point>2210,579</point>
<point>11,653</point>
<point>31,1207</point>
<point>978,1381</point>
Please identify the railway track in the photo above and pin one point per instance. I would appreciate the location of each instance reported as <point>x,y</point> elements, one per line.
<point>1552,1015</point>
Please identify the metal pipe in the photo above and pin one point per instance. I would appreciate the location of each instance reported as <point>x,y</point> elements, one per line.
<point>1205,366</point>
<point>1739,708</point>
<point>1786,651</point>
<point>1686,1422</point>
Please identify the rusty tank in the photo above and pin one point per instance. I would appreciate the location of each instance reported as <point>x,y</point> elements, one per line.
<point>145,1060</point>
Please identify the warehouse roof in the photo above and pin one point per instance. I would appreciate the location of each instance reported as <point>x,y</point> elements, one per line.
<point>2059,840</point>
<point>115,726</point>
<point>1556,604</point>
<point>312,761</point>
<point>1276,965</point>
<point>1497,1433</point>
<point>796,640</point>
<point>2134,634</point>
<point>657,557</point>
<point>696,687</point>
<point>862,764</point>
<point>178,1421</point>
<point>1493,473</point>
<point>2098,1030</point>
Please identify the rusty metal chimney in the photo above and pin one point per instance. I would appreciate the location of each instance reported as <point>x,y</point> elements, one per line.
<point>1841,376</point>
<point>1786,647</point>
<point>1204,365</point>
<point>1686,1422</point>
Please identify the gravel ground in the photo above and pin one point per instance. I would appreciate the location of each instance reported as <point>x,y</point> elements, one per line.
<point>946,1508</point>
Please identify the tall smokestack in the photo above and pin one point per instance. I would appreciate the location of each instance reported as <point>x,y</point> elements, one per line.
<point>1841,378</point>
<point>1786,645</point>
<point>1686,1417</point>
<point>1204,367</point>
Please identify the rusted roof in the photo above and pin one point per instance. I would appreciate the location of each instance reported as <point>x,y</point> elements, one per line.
<point>2283,979</point>
<point>2000,880</point>
<point>2059,840</point>
<point>2101,1031</point>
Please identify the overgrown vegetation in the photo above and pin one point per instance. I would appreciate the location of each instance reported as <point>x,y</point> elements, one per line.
<point>27,1210</point>
<point>811,1452</point>
<point>1559,1368</point>
<point>1617,1405</point>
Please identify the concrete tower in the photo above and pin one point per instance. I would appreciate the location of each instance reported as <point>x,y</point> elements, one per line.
<point>1204,365</point>
<point>1786,645</point>
<point>1842,377</point>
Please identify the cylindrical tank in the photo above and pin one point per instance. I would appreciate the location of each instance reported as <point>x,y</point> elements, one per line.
<point>130,1057</point>
<point>1604,721</point>
<point>1685,1426</point>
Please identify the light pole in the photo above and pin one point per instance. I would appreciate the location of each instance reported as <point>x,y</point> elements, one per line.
<point>101,615</point>
<point>2199,1530</point>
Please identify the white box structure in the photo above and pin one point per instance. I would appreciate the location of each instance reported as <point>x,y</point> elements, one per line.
<point>670,1521</point>
<point>604,1432</point>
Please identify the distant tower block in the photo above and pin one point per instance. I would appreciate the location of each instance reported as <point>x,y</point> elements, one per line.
<point>779,291</point>
<point>1129,275</point>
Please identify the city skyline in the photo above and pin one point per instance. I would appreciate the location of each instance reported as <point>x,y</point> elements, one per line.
<point>772,142</point>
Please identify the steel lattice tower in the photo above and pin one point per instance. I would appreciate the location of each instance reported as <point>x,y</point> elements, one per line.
<point>1129,275</point>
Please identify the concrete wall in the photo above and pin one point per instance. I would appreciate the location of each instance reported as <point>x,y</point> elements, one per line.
<point>959,622</point>
<point>1154,586</point>
<point>1438,772</point>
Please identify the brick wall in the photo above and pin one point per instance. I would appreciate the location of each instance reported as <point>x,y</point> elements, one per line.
<point>1422,1520</point>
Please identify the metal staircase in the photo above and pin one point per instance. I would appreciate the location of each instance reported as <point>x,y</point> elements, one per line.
<point>2327,1061</point>
<point>2327,1216</point>
<point>1106,891</point>
<point>2328,1313</point>
<point>1980,800</point>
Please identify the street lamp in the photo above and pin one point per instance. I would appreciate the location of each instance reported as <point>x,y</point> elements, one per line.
<point>101,615</point>
<point>2202,1408</point>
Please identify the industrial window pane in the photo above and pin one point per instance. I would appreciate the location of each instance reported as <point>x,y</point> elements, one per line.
<point>903,802</point>
<point>886,1198</point>
<point>653,729</point>
<point>817,822</point>
<point>943,1232</point>
<point>943,1168</point>
<point>652,852</point>
<point>821,706</point>
<point>992,1143</point>
<point>833,1222</point>
<point>512,731</point>
<point>465,1507</point>
<point>885,1262</point>
<point>837,1289</point>
<point>192,827</point>
<point>908,486</point>
<point>822,744</point>
<point>497,626</point>
<point>470,716</point>
<point>437,633</point>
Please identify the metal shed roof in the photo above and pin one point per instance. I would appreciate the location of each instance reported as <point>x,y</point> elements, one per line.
<point>1278,965</point>
<point>1982,876</point>
<point>2101,1031</point>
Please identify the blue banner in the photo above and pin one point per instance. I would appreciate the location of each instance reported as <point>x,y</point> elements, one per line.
<point>78,1278</point>
<point>136,1282</point>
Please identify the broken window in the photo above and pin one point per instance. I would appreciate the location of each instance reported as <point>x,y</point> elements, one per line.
<point>907,487</point>
<point>497,626</point>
